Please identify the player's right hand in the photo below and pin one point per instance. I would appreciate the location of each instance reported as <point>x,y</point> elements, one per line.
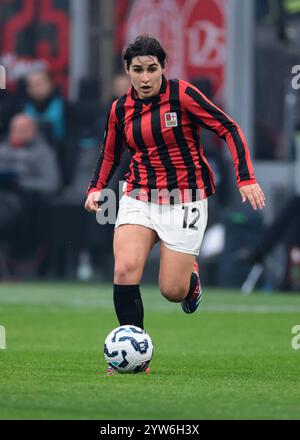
<point>91,203</point>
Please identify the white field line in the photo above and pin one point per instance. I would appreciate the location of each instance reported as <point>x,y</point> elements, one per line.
<point>154,303</point>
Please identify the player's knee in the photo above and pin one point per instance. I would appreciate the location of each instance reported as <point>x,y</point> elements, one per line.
<point>173,293</point>
<point>126,273</point>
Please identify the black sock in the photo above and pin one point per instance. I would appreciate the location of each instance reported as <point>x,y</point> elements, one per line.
<point>193,284</point>
<point>128,305</point>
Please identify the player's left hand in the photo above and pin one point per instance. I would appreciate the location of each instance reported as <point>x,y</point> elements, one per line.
<point>254,194</point>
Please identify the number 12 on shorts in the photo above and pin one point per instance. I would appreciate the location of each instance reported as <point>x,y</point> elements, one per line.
<point>193,221</point>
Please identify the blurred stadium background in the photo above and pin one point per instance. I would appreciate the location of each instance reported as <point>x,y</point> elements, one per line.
<point>63,69</point>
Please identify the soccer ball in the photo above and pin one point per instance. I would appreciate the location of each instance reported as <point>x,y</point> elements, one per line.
<point>128,349</point>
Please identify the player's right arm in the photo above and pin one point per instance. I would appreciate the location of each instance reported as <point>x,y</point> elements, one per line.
<point>109,158</point>
<point>203,112</point>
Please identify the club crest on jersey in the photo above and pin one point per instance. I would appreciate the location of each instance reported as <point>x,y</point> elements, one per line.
<point>171,119</point>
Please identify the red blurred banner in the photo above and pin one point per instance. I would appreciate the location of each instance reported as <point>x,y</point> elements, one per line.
<point>35,33</point>
<point>194,33</point>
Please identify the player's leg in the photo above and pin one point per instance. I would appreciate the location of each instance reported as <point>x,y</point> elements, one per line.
<point>132,245</point>
<point>174,273</point>
<point>181,228</point>
<point>179,278</point>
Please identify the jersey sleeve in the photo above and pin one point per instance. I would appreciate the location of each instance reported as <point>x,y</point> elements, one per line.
<point>110,154</point>
<point>203,112</point>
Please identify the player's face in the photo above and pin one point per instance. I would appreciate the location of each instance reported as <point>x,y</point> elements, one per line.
<point>146,75</point>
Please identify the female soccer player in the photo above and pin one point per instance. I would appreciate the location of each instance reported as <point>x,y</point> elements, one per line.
<point>169,180</point>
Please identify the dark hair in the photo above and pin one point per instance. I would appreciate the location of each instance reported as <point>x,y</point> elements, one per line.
<point>145,45</point>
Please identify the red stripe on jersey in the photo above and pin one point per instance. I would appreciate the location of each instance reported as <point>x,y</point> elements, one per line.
<point>194,144</point>
<point>171,142</point>
<point>213,118</point>
<point>174,152</point>
<point>108,153</point>
<point>161,175</point>
<point>142,169</point>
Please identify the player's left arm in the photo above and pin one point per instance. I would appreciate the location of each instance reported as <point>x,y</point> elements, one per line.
<point>203,112</point>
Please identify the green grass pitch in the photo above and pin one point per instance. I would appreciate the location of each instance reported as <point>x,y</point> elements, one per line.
<point>231,360</point>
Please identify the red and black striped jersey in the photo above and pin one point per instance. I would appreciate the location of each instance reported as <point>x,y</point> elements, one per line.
<point>163,135</point>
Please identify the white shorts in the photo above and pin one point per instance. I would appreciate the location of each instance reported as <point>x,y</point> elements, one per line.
<point>180,226</point>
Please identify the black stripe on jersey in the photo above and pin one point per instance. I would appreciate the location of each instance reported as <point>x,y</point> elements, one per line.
<point>119,146</point>
<point>140,143</point>
<point>221,117</point>
<point>162,148</point>
<point>198,121</point>
<point>120,112</point>
<point>136,172</point>
<point>120,141</point>
<point>179,135</point>
<point>135,167</point>
<point>96,171</point>
<point>204,169</point>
